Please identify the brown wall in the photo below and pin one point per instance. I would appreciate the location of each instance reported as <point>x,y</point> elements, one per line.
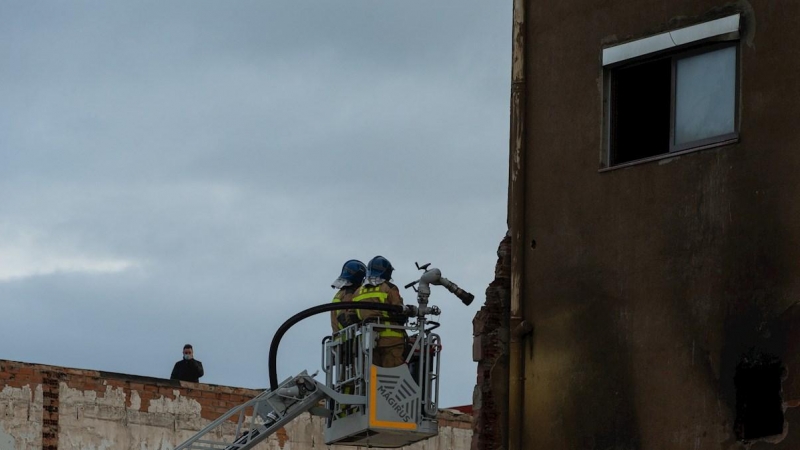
<point>49,407</point>
<point>648,284</point>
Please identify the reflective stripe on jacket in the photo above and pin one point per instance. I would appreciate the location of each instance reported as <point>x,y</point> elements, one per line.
<point>344,295</point>
<point>385,293</point>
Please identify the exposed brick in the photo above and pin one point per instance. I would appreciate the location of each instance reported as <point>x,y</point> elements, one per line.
<point>489,350</point>
<point>207,413</point>
<point>282,437</point>
<point>237,399</point>
<point>94,385</point>
<point>225,389</point>
<point>23,379</point>
<point>50,405</point>
<point>167,392</point>
<point>214,400</point>
<point>116,383</point>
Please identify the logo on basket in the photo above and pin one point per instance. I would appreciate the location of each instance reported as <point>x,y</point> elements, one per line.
<point>394,402</point>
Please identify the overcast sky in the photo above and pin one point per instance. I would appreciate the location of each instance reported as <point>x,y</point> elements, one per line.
<point>198,171</point>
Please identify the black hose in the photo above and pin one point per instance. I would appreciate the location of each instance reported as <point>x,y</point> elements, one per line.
<point>273,348</point>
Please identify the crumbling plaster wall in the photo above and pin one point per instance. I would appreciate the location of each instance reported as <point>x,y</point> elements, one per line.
<point>21,413</point>
<point>48,408</point>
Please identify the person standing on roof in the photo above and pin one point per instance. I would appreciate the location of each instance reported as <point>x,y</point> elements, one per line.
<point>353,272</point>
<point>187,369</point>
<point>378,288</point>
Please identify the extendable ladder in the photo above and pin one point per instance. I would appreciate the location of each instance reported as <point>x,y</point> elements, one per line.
<point>244,426</point>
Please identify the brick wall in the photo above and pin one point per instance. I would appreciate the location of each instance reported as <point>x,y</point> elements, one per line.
<point>490,351</point>
<point>49,407</point>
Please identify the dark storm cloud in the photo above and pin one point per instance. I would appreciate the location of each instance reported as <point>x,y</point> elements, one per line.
<point>198,171</point>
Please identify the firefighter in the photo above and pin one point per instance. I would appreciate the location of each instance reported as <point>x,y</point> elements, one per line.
<point>349,281</point>
<point>377,288</point>
<point>353,272</point>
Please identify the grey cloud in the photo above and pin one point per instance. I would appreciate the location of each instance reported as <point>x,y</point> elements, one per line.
<point>239,153</point>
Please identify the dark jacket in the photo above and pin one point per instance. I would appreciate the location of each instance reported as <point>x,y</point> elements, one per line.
<point>187,370</point>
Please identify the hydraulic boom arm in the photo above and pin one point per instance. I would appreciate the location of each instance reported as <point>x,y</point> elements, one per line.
<point>244,426</point>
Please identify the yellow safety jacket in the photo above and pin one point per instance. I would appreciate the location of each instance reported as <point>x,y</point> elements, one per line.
<point>344,295</point>
<point>385,293</point>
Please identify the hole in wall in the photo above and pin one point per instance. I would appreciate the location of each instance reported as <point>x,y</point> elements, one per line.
<point>759,402</point>
<point>533,243</point>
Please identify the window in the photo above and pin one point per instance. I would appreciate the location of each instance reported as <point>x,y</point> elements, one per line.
<point>664,98</point>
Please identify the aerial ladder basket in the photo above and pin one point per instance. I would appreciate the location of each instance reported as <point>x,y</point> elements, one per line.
<point>363,404</point>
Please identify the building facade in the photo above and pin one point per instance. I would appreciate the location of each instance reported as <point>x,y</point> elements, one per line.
<point>655,226</point>
<point>48,408</point>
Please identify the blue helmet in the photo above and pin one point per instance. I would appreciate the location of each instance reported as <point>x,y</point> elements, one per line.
<point>353,272</point>
<point>379,270</point>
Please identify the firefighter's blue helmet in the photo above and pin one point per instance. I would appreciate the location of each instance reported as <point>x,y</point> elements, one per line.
<point>379,268</point>
<point>353,272</point>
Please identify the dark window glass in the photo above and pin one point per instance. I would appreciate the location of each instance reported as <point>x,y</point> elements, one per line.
<point>641,110</point>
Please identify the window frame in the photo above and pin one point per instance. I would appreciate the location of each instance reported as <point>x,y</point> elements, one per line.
<point>650,52</point>
<point>709,141</point>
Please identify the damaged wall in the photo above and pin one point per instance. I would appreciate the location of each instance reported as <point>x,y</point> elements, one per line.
<point>490,351</point>
<point>656,291</point>
<point>49,408</point>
